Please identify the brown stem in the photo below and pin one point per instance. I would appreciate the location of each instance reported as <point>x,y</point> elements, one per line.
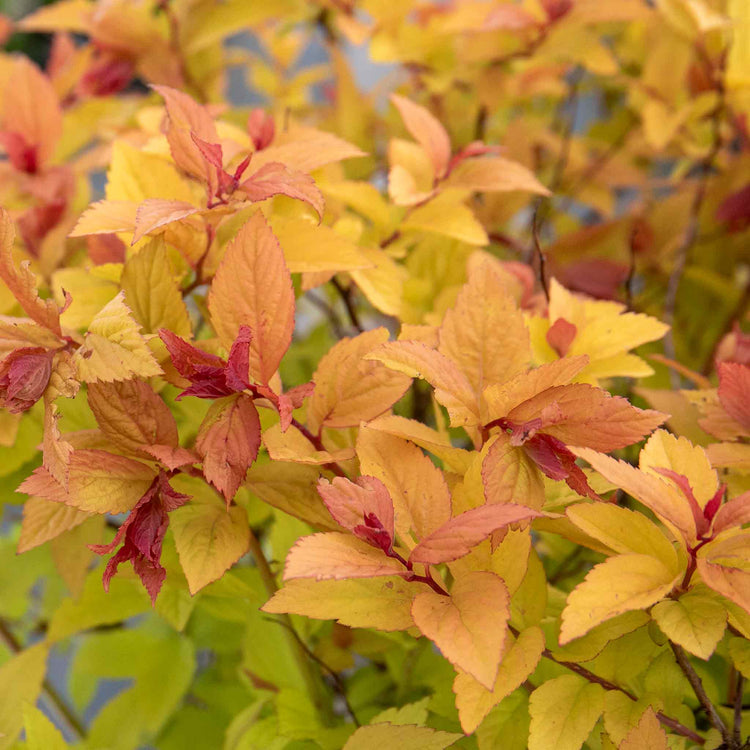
<point>540,253</point>
<point>700,693</point>
<point>317,443</point>
<point>692,228</point>
<point>346,296</point>
<point>739,687</point>
<point>338,682</point>
<point>311,679</point>
<point>50,695</point>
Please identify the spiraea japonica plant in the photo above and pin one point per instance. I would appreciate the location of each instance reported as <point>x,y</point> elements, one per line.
<point>408,416</point>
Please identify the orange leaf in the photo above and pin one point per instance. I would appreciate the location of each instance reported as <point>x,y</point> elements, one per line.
<point>420,495</point>
<point>130,414</point>
<point>350,503</point>
<point>253,287</point>
<point>186,116</point>
<point>455,538</point>
<point>32,110</point>
<point>334,555</point>
<point>228,440</point>
<point>469,333</point>
<point>155,213</point>
<point>510,476</point>
<point>427,131</point>
<point>646,733</point>
<point>468,626</point>
<point>452,388</point>
<point>350,389</point>
<point>494,174</point>
<point>22,282</point>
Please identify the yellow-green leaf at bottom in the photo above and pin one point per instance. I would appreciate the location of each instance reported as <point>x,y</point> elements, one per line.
<point>380,603</point>
<point>20,681</point>
<point>209,539</point>
<point>474,701</point>
<point>739,650</point>
<point>696,621</point>
<point>619,584</point>
<point>563,713</point>
<point>41,733</point>
<point>379,736</point>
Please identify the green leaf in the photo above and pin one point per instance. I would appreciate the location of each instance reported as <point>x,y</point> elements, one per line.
<point>411,713</point>
<point>696,621</point>
<point>563,713</point>
<point>210,538</point>
<point>378,736</point>
<point>20,682</point>
<point>739,650</point>
<point>506,725</point>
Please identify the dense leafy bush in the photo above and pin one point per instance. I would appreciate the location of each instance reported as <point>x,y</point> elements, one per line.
<point>308,406</point>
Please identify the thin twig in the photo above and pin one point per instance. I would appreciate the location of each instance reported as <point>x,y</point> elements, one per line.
<point>692,228</point>
<point>346,297</point>
<point>311,680</point>
<point>67,718</point>
<point>329,312</point>
<point>739,687</point>
<point>317,443</point>
<point>339,683</point>
<point>540,252</point>
<point>700,693</point>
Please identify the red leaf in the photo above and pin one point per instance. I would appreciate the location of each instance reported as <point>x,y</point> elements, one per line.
<point>560,336</point>
<point>261,128</point>
<point>24,375</point>
<point>141,536</point>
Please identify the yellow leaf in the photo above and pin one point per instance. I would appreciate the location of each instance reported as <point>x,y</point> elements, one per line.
<point>494,174</point>
<point>44,520</point>
<point>90,292</point>
<point>41,733</point>
<point>623,530</point>
<point>447,215</point>
<point>113,348</point>
<point>421,498</point>
<point>292,488</point>
<point>378,736</point>
<point>696,621</point>
<point>135,175</point>
<point>380,603</point>
<point>427,131</point>
<point>520,658</point>
<point>563,712</point>
<point>647,733</point>
<point>619,584</point>
<point>311,247</point>
<point>252,287</point>
<point>21,680</point>
<point>292,445</point>
<point>664,450</point>
<point>67,15</point>
<point>305,149</point>
<point>350,389</point>
<point>210,537</point>
<point>467,627</point>
<point>656,494</point>
<point>469,333</point>
<point>383,282</point>
<point>151,291</point>
<point>738,64</point>
<point>364,198</point>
